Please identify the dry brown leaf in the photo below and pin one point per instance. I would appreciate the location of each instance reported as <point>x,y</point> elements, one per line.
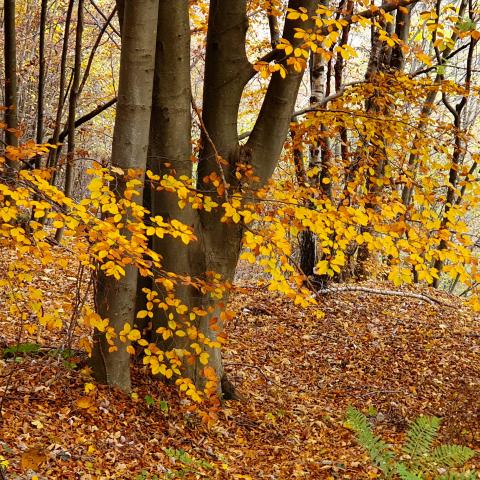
<point>33,458</point>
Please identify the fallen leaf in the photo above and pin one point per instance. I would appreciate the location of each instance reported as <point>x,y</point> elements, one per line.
<point>33,458</point>
<point>84,402</point>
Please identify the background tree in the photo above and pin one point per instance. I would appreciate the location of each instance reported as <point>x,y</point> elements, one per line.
<point>11,100</point>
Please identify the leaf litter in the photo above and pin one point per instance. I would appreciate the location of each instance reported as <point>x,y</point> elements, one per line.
<point>392,357</point>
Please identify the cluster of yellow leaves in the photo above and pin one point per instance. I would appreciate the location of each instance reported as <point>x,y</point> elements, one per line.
<point>110,233</point>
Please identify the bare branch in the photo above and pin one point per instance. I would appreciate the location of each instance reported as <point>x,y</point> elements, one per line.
<point>375,291</point>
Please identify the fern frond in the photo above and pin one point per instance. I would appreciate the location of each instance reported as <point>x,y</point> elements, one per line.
<point>356,420</point>
<point>405,474</point>
<point>420,437</point>
<point>451,455</point>
<point>379,451</point>
<point>458,476</point>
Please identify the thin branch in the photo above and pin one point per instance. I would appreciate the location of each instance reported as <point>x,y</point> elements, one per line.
<point>314,107</point>
<point>108,20</point>
<point>322,103</point>
<point>218,157</point>
<point>94,50</point>
<point>441,63</point>
<point>88,116</point>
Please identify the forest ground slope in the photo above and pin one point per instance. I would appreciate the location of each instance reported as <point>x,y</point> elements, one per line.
<point>391,356</point>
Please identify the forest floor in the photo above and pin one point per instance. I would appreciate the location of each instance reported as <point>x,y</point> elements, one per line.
<point>390,356</point>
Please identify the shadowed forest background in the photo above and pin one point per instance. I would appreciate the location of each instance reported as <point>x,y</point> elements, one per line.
<point>239,239</point>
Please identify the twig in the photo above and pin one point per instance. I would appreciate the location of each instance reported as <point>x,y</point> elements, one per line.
<point>18,340</point>
<point>256,367</point>
<point>218,157</point>
<point>375,291</point>
<point>107,19</point>
<point>367,394</point>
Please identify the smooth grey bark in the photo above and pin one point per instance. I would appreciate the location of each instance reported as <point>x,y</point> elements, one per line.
<point>11,99</point>
<point>271,127</point>
<point>170,151</point>
<point>116,299</point>
<point>227,72</point>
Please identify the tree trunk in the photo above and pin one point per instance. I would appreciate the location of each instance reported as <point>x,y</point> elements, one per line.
<point>41,76</point>
<point>382,59</point>
<point>457,156</point>
<point>170,152</point>
<point>72,108</point>
<point>227,72</point>
<point>116,299</point>
<point>11,100</point>
<point>54,153</point>
<point>224,84</point>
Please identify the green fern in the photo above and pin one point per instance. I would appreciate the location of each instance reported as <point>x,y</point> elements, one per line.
<point>459,476</point>
<point>451,455</point>
<point>420,437</point>
<point>405,474</point>
<point>379,451</point>
<point>418,457</point>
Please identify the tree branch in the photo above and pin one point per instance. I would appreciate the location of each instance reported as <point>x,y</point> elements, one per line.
<point>108,20</point>
<point>314,107</point>
<point>85,118</point>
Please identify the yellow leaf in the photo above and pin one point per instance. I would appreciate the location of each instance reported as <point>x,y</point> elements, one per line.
<point>134,335</point>
<point>38,424</point>
<point>204,358</point>
<point>89,387</point>
<point>322,267</point>
<point>84,402</point>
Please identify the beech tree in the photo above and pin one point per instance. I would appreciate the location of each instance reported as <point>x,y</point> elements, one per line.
<point>227,72</point>
<point>200,177</point>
